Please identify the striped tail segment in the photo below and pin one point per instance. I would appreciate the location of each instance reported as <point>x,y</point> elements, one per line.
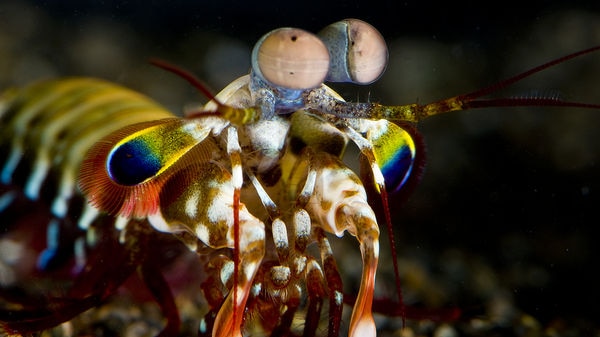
<point>47,128</point>
<point>49,235</point>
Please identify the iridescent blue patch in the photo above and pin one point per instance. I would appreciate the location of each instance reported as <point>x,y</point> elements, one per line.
<point>55,254</point>
<point>397,169</point>
<point>132,163</point>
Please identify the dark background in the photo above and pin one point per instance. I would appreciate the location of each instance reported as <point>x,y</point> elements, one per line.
<point>508,206</point>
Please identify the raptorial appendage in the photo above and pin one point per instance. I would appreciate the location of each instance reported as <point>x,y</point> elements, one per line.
<point>336,201</point>
<point>199,201</point>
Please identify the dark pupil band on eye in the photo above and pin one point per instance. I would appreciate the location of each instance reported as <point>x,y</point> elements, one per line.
<point>132,163</point>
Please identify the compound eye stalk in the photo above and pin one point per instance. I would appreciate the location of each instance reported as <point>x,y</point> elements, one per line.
<point>358,51</point>
<point>291,58</point>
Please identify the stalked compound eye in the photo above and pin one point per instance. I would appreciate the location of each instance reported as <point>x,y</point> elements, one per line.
<point>358,51</point>
<point>291,58</point>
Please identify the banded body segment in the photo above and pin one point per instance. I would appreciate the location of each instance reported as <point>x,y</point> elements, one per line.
<point>49,126</point>
<point>50,237</point>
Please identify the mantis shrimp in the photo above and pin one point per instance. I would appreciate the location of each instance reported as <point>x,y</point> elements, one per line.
<point>253,182</point>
